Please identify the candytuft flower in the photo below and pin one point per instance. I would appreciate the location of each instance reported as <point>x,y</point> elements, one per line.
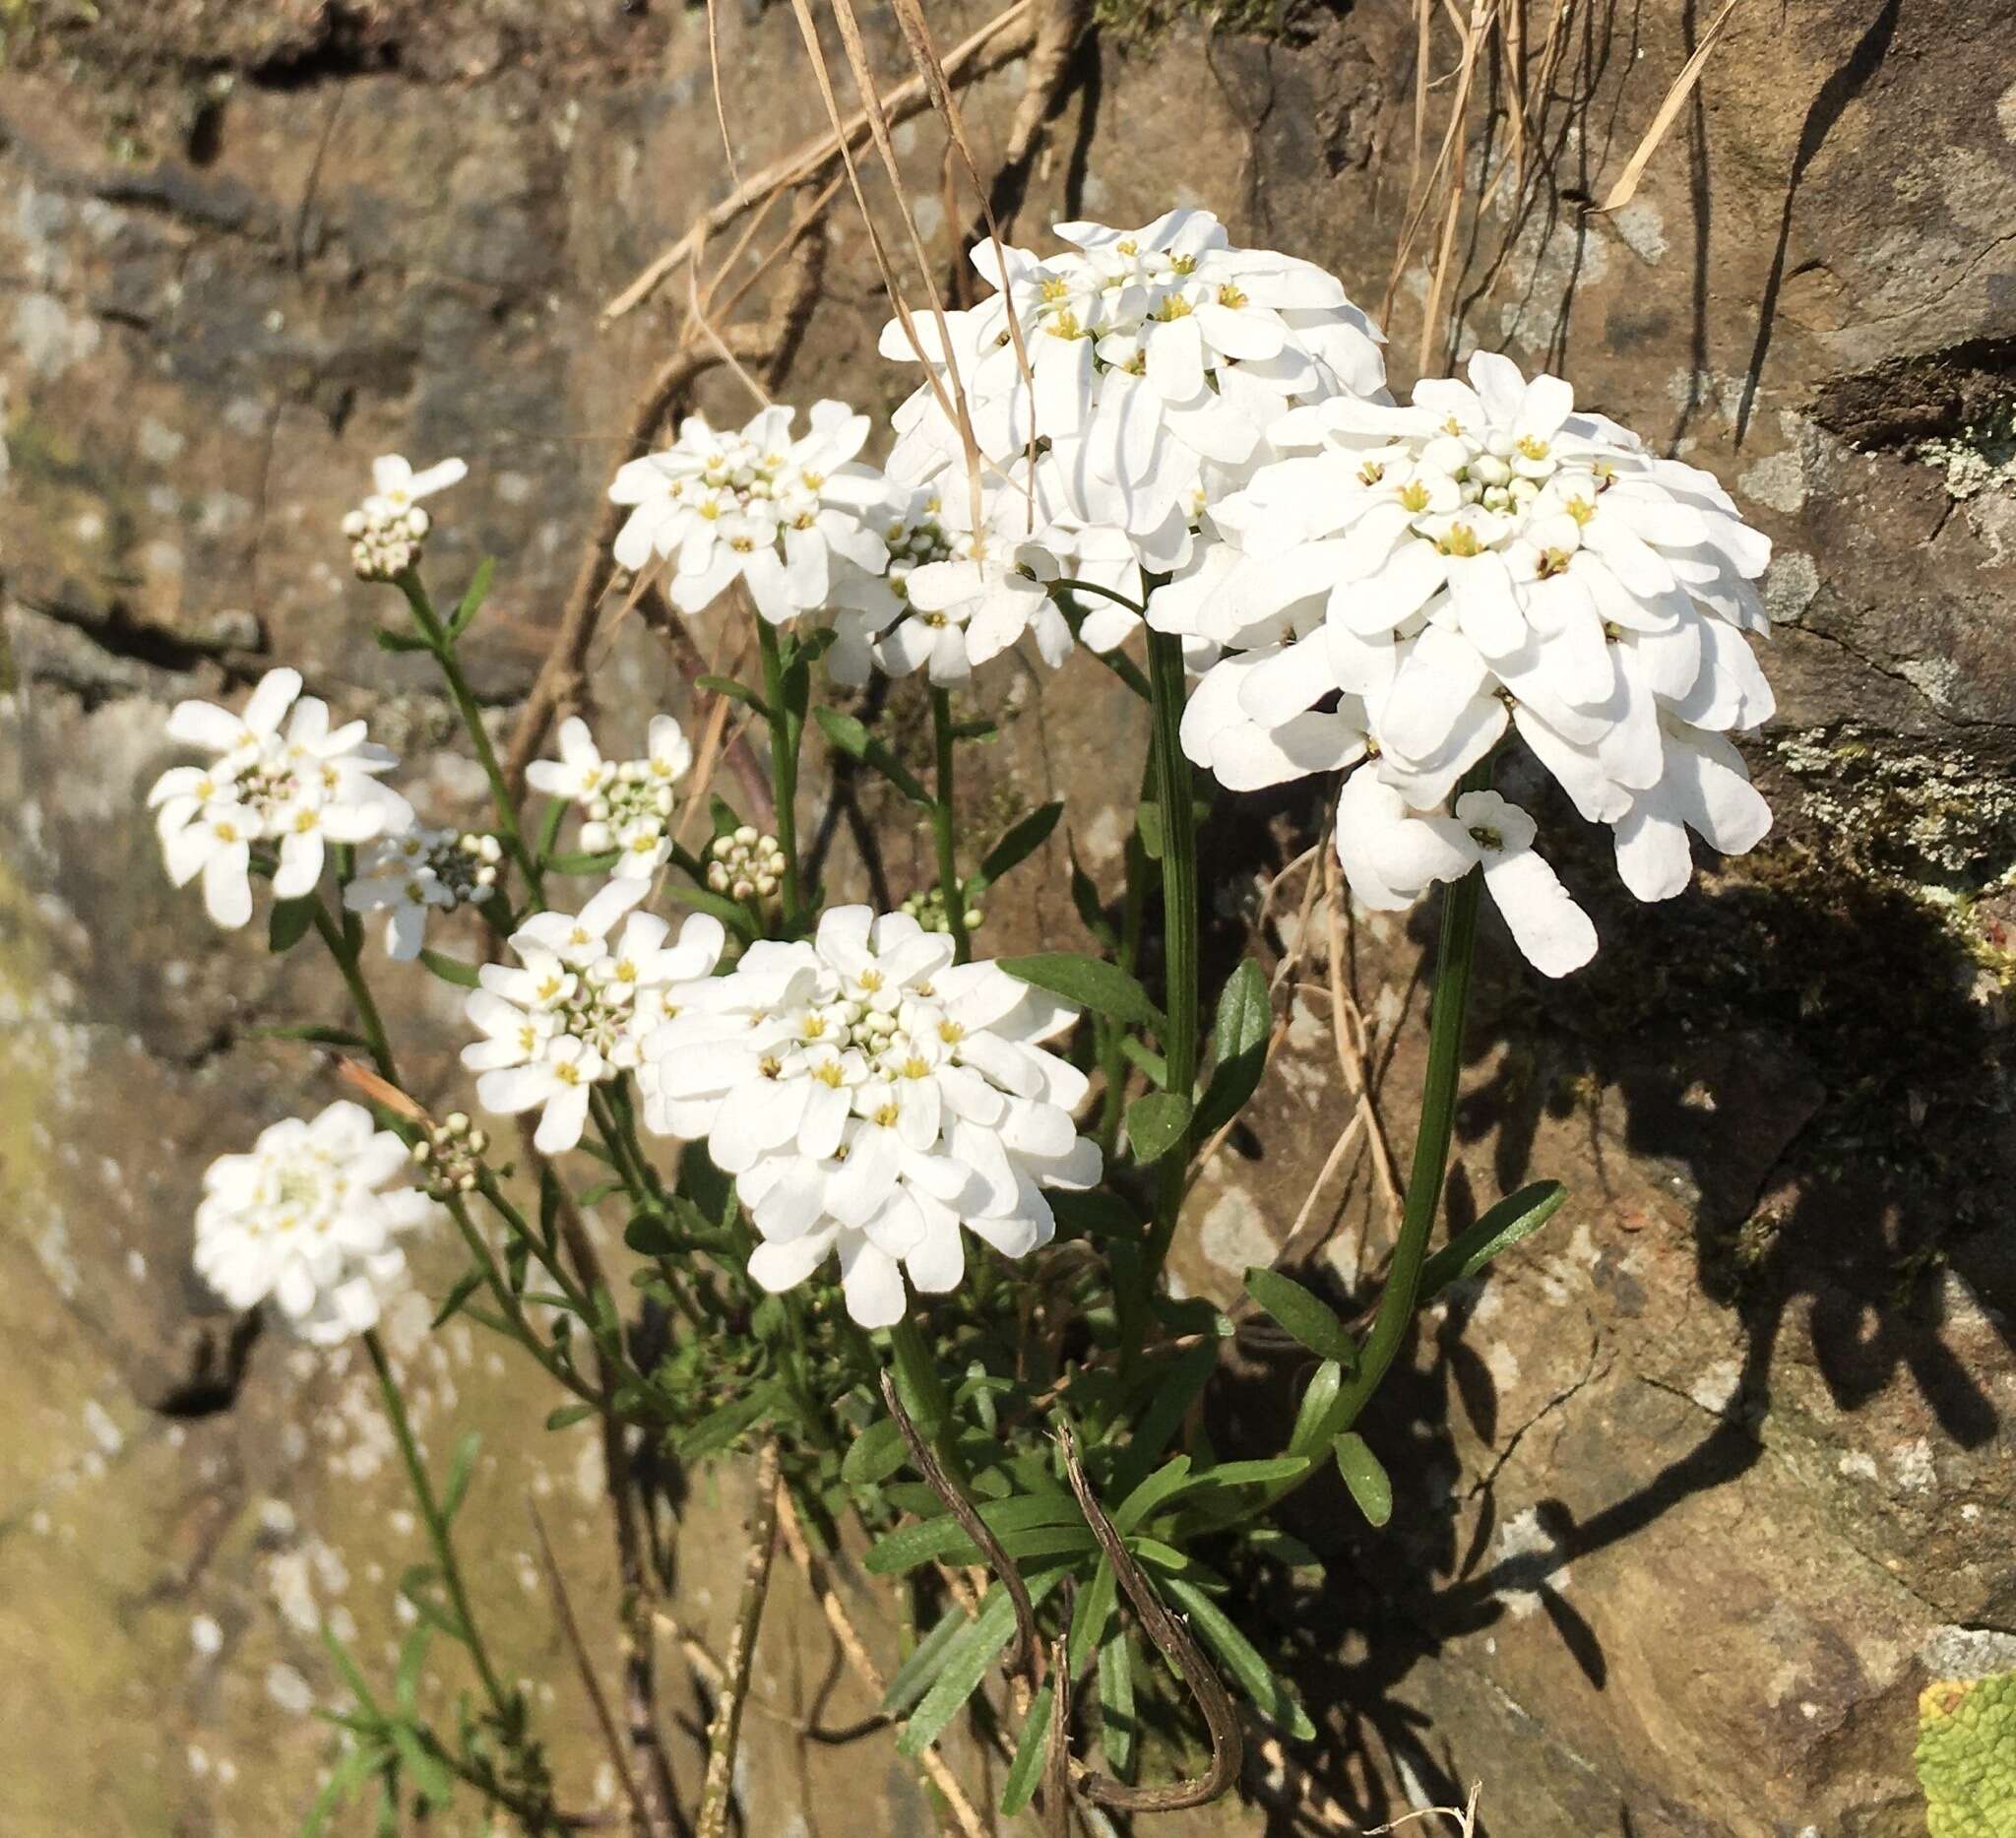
<point>758,507</point>
<point>628,804</point>
<point>1157,358</point>
<point>573,1012</point>
<point>418,873</point>
<point>387,530</point>
<point>874,1101</point>
<point>307,1220</point>
<point>1417,582</point>
<point>281,790</point>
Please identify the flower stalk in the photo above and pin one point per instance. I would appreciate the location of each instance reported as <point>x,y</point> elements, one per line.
<point>943,814</point>
<point>787,731</point>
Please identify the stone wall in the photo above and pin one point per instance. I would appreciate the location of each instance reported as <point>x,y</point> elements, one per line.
<point>1695,1492</point>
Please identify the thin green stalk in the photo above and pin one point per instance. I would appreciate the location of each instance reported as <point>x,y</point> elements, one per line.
<point>1180,926</point>
<point>786,732</point>
<point>950,888</point>
<point>1116,660</point>
<point>443,648</point>
<point>437,1530</point>
<point>361,999</point>
<point>923,1393</point>
<point>514,1312</point>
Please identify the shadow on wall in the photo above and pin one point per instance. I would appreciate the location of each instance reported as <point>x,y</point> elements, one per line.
<point>1807,1050</point>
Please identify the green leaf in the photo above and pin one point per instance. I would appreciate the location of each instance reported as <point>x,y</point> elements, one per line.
<point>968,1656</point>
<point>1085,896</point>
<point>1090,983</point>
<point>1026,1771</point>
<point>914,1675</point>
<point>1251,1673</point>
<point>288,923</point>
<point>875,1455</point>
<point>568,1415</point>
<point>1175,1390</point>
<point>473,600</point>
<point>430,1772</point>
<point>732,914</point>
<point>735,692</point>
<point>1365,1475</point>
<point>1118,1725</point>
<point>461,1466</point>
<point>1150,1494</point>
<point>601,861</point>
<point>719,1427</point>
<point>1155,1124</point>
<point>1018,843</point>
<point>1089,1616</point>
<point>1517,1216</point>
<point>1246,1020</point>
<point>465,1287</point>
<point>358,1763</point>
<point>412,1656</point>
<point>848,735</point>
<point>1135,1049</point>
<point>1093,1214</point>
<point>400,641</point>
<point>448,968</point>
<point>1324,1385</point>
<point>1967,1757</point>
<point>1306,1315</point>
<point>1148,826</point>
<point>1008,1519</point>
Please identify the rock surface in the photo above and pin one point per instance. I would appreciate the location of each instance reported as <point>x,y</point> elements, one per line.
<point>1697,1491</point>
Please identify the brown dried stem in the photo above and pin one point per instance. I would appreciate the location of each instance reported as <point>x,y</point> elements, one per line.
<point>724,1732</point>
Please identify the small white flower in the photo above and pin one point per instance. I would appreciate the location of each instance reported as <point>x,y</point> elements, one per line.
<point>756,506</point>
<point>1391,855</point>
<point>573,1010</point>
<point>284,792</point>
<point>309,1219</point>
<point>387,530</point>
<point>627,804</point>
<point>418,873</point>
<point>875,1102</point>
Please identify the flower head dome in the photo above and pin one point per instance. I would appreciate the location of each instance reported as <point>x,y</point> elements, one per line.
<point>874,1101</point>
<point>309,1219</point>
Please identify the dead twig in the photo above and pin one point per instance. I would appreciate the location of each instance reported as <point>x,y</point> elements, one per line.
<point>1027,1656</point>
<point>1172,1640</point>
<point>724,1732</point>
<point>1009,34</point>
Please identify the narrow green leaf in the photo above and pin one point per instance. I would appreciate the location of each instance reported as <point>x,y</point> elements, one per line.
<point>1090,983</point>
<point>1155,1124</point>
<point>719,1427</point>
<point>1089,1615</point>
<point>856,742</point>
<point>942,1537</point>
<point>568,1415</point>
<point>429,1773</point>
<point>1365,1475</point>
<point>971,1651</point>
<point>1018,843</point>
<point>473,600</point>
<point>399,641</point>
<point>875,1455</point>
<point>1252,1673</point>
<point>1135,1049</point>
<point>412,1656</point>
<point>1150,1494</point>
<point>448,968</point>
<point>1148,826</point>
<point>288,922</point>
<point>735,692</point>
<point>1246,1020</point>
<point>1176,1391</point>
<point>601,861</point>
<point>1085,896</point>
<point>461,1466</point>
<point>465,1287</point>
<point>731,912</point>
<point>1026,1771</point>
<point>914,1675</point>
<point>357,1765</point>
<point>1117,1724</point>
<point>1093,1214</point>
<point>1324,1385</point>
<point>1517,1216</point>
<point>1306,1315</point>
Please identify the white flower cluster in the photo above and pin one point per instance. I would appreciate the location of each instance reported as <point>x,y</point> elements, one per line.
<point>309,1219</point>
<point>746,864</point>
<point>628,804</point>
<point>576,1009</point>
<point>418,873</point>
<point>281,782</point>
<point>387,530</point>
<point>873,1100</point>
<point>1418,580</point>
<point>758,507</point>
<point>1143,368</point>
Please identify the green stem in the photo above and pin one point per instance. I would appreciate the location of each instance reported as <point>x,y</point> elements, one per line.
<point>1116,660</point>
<point>1180,926</point>
<point>514,1313</point>
<point>369,1017</point>
<point>437,1530</point>
<point>443,647</point>
<point>786,730</point>
<point>951,890</point>
<point>923,1393</point>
